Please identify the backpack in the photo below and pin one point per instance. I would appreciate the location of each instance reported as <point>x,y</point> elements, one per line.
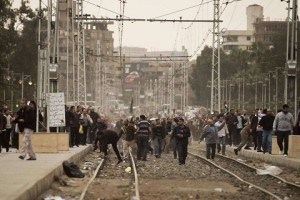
<point>72,170</point>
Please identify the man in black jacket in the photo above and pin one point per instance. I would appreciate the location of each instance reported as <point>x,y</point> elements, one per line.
<point>266,123</point>
<point>158,135</point>
<point>181,133</point>
<point>29,123</point>
<point>74,127</point>
<point>232,121</point>
<point>109,137</point>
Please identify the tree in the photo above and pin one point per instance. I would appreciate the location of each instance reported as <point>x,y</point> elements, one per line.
<point>199,77</point>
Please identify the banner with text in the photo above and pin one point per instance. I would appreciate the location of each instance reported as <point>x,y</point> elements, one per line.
<point>56,109</point>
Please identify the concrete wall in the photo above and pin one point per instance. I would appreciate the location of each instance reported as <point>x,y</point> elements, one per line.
<point>47,142</point>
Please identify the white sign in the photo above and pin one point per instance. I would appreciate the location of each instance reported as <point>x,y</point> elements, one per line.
<point>56,109</point>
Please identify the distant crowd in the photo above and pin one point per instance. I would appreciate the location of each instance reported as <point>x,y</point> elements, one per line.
<point>156,135</point>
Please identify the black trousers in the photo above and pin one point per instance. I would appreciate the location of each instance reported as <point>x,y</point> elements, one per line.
<point>74,135</point>
<point>143,146</point>
<point>259,139</point>
<point>6,139</point>
<point>104,148</point>
<point>283,137</point>
<point>231,135</point>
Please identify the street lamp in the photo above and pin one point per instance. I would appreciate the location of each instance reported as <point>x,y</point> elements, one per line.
<point>21,82</point>
<point>11,77</point>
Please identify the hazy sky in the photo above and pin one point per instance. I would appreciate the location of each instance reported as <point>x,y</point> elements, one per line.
<point>167,36</point>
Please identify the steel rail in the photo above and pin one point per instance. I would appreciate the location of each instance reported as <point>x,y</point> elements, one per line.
<point>136,181</point>
<point>253,168</point>
<point>101,164</point>
<point>236,176</point>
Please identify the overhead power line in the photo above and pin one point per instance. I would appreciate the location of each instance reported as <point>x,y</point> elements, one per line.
<point>103,8</point>
<point>184,9</point>
<point>148,20</point>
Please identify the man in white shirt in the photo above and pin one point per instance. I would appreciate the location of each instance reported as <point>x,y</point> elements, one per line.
<point>8,129</point>
<point>221,134</point>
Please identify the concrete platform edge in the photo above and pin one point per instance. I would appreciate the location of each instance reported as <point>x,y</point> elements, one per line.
<point>280,160</point>
<point>274,159</point>
<point>41,185</point>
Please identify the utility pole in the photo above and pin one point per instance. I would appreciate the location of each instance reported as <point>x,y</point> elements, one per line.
<point>287,53</point>
<point>98,75</point>
<point>215,101</point>
<point>39,70</point>
<point>276,91</point>
<point>73,53</point>
<point>256,90</point>
<point>81,70</point>
<point>68,43</point>
<point>291,64</point>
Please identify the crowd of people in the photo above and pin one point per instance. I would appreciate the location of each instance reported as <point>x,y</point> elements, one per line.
<point>156,135</point>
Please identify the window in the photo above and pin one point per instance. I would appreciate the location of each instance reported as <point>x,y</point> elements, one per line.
<point>248,38</point>
<point>232,39</point>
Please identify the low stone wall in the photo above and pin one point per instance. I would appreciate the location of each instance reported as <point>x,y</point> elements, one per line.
<point>294,146</point>
<point>48,142</point>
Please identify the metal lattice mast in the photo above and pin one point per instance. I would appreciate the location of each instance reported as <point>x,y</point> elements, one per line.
<point>172,86</point>
<point>215,101</point>
<point>81,72</point>
<point>98,74</point>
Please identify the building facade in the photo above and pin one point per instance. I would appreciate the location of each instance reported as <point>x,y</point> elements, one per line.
<point>267,31</point>
<point>101,68</point>
<point>242,39</point>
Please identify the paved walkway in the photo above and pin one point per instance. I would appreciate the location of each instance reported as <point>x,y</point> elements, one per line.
<point>25,180</point>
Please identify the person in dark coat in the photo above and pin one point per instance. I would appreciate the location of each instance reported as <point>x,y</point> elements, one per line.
<point>181,133</point>
<point>232,121</point>
<point>109,137</point>
<point>158,135</point>
<point>74,127</point>
<point>19,121</point>
<point>97,129</point>
<point>266,123</point>
<point>143,134</point>
<point>2,132</point>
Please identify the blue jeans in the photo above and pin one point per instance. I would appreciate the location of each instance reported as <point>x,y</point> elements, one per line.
<point>267,140</point>
<point>210,151</point>
<point>182,151</point>
<point>222,144</point>
<point>157,145</point>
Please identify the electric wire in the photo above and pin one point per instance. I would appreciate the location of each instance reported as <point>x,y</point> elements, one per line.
<point>182,9</point>
<point>175,43</point>
<point>99,7</point>
<point>189,26</point>
<point>104,8</point>
<point>230,20</point>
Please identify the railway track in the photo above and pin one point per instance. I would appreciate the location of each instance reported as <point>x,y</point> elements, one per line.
<point>113,181</point>
<point>164,179</point>
<point>275,186</point>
